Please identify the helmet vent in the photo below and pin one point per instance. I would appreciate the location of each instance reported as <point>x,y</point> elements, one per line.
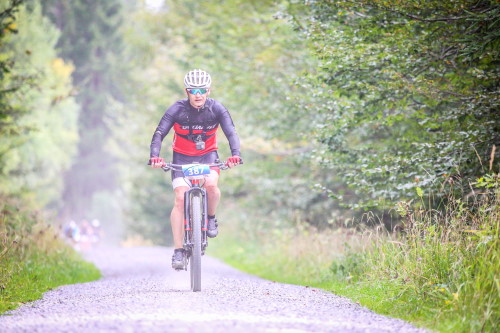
<point>197,78</point>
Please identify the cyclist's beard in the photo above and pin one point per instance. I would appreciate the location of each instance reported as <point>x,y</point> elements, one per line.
<point>197,106</point>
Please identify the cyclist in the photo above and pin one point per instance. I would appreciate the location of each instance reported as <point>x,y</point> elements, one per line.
<point>195,121</point>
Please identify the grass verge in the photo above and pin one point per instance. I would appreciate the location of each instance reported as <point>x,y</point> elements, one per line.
<point>33,259</point>
<point>440,272</point>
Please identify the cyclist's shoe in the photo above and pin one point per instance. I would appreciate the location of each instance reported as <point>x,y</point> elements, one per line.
<point>179,259</point>
<point>212,227</point>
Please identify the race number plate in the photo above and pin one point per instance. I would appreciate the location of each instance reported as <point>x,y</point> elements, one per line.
<point>195,170</point>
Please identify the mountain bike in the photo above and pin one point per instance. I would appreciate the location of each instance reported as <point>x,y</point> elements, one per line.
<point>195,215</point>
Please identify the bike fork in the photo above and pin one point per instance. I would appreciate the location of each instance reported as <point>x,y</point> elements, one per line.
<point>187,221</point>
<point>204,216</point>
<point>188,243</point>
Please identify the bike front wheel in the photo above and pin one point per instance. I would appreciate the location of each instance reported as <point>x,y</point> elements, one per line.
<point>195,262</point>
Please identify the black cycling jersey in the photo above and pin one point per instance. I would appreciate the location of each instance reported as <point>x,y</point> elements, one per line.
<point>192,125</point>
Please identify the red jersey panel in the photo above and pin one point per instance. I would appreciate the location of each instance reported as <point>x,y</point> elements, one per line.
<point>192,125</point>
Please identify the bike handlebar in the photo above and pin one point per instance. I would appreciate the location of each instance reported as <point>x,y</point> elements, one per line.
<point>178,167</point>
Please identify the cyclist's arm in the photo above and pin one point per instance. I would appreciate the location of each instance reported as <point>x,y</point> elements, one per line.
<point>166,123</point>
<point>227,125</point>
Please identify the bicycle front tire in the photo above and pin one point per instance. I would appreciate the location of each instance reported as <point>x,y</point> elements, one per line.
<point>195,266</point>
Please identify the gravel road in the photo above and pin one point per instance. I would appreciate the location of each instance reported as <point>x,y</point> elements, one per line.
<point>140,293</point>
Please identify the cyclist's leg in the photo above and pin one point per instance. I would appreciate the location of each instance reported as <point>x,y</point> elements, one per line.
<point>213,191</point>
<point>177,216</point>
<point>211,183</point>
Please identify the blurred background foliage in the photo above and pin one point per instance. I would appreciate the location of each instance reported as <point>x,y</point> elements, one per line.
<point>356,118</point>
<point>342,106</point>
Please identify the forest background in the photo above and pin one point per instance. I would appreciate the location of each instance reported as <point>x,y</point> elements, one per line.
<point>363,124</point>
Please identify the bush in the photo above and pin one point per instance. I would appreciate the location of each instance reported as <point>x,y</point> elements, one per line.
<point>33,259</point>
<point>447,260</point>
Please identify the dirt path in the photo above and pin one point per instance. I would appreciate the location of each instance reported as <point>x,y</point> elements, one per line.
<point>140,293</point>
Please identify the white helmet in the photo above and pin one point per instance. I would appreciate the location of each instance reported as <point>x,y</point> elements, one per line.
<point>197,78</point>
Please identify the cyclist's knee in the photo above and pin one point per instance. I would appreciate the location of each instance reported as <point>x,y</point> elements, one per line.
<point>212,188</point>
<point>179,196</point>
<point>179,201</point>
<point>212,180</point>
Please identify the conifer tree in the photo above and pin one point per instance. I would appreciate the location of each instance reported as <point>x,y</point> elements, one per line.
<point>91,40</point>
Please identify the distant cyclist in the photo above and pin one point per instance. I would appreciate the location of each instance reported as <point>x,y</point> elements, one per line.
<point>195,121</point>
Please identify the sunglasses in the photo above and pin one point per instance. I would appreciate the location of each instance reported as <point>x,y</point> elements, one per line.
<point>196,91</point>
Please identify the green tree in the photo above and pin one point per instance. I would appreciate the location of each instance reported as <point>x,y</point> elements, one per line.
<point>9,83</point>
<point>37,156</point>
<point>91,39</point>
<point>407,93</point>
